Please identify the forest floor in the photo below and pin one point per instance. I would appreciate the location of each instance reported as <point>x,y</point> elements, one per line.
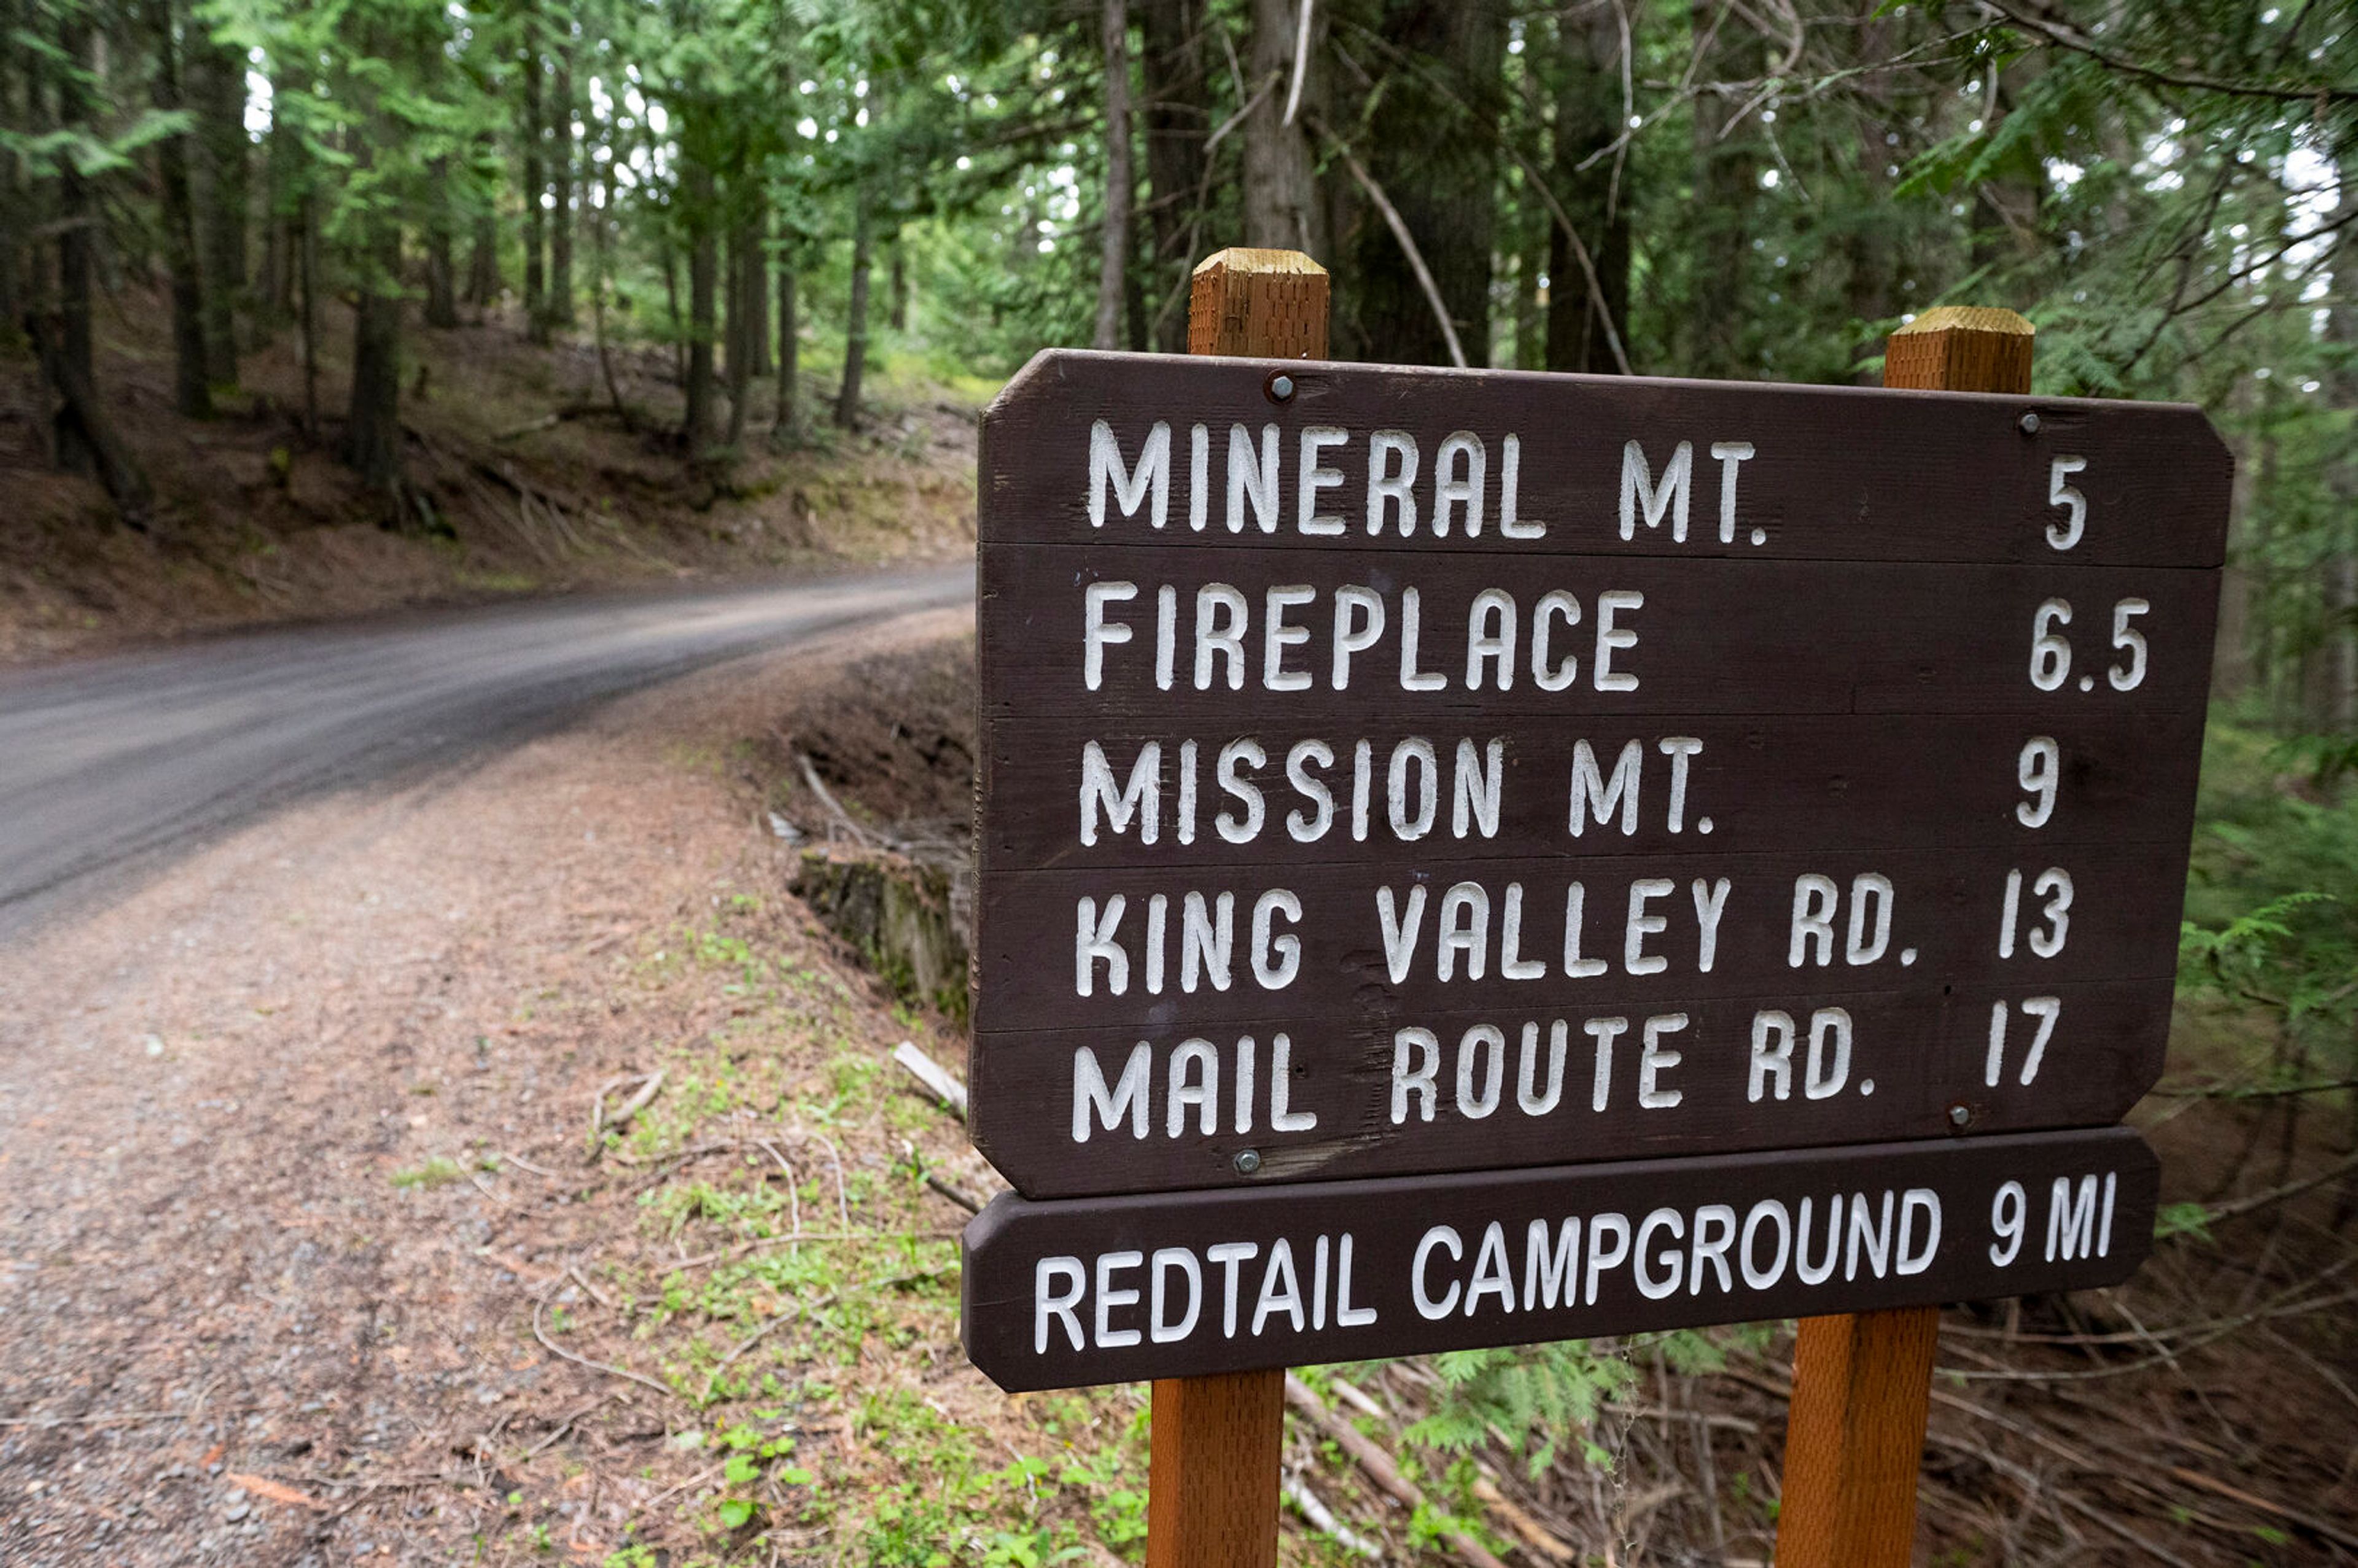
<point>312,1254</point>
<point>530,481</point>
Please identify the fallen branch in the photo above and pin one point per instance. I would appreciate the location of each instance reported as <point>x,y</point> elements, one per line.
<point>1321,1518</point>
<point>276,1491</point>
<point>599,1123</point>
<point>540,1305</point>
<point>932,1075</point>
<point>1379,1466</point>
<point>2274,1195</point>
<point>956,1194</point>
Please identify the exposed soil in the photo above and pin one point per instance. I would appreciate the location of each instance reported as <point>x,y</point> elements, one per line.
<point>301,1231</point>
<point>525,480</point>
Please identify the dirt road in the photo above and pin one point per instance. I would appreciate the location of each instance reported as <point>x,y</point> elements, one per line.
<point>106,762</point>
<point>290,1134</point>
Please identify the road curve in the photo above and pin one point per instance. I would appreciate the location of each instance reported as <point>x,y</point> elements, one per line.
<point>108,763</point>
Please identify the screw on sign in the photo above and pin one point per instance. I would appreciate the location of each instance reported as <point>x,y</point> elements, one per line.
<point>1474,858</point>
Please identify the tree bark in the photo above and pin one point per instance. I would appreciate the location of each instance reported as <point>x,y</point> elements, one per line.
<point>1113,260</point>
<point>563,183</point>
<point>111,460</point>
<point>441,279</point>
<point>742,342</point>
<point>697,179</point>
<point>2341,477</point>
<point>372,421</point>
<point>1280,194</point>
<point>789,420</point>
<point>757,290</point>
<point>1432,144</point>
<point>1726,175</point>
<point>1178,120</point>
<point>536,186</point>
<point>307,268</point>
<point>1589,117</point>
<point>855,328</point>
<point>74,451</point>
<point>191,393</point>
<point>483,258</point>
<point>217,80</point>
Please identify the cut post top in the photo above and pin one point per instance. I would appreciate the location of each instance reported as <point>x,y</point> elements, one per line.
<point>1262,304</point>
<point>1960,348</point>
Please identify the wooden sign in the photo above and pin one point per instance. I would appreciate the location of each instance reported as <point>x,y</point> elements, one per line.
<point>1399,771</point>
<point>1063,1294</point>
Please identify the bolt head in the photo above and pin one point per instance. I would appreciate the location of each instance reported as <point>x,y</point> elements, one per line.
<point>1281,387</point>
<point>1247,1162</point>
<point>2030,424</point>
<point>1959,1115</point>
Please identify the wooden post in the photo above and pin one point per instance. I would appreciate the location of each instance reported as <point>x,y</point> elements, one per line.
<point>1217,1442</point>
<point>1863,1383</point>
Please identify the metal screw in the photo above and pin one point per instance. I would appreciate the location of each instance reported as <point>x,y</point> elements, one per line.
<point>2030,424</point>
<point>1247,1162</point>
<point>1959,1115</point>
<point>1281,387</point>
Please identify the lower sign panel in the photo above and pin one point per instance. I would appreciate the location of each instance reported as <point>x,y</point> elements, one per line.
<point>1065,1295</point>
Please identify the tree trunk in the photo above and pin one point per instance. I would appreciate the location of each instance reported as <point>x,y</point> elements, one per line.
<point>74,452</point>
<point>757,293</point>
<point>191,393</point>
<point>789,355</point>
<point>94,432</point>
<point>1432,144</point>
<point>1281,195</point>
<point>536,186</point>
<point>1113,262</point>
<point>373,424</point>
<point>1178,119</point>
<point>307,268</point>
<point>1726,175</point>
<point>1589,117</point>
<point>696,180</point>
<point>483,261</point>
<point>742,343</point>
<point>441,279</point>
<point>561,173</point>
<point>217,72</point>
<point>2341,475</point>
<point>282,183</point>
<point>855,328</point>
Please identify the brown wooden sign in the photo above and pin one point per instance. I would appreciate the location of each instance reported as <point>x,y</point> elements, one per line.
<point>1391,771</point>
<point>1066,1293</point>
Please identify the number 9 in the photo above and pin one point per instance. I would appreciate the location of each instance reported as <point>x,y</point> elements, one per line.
<point>2007,1211</point>
<point>2040,771</point>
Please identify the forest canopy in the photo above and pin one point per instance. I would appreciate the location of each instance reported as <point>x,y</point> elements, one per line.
<point>1757,189</point>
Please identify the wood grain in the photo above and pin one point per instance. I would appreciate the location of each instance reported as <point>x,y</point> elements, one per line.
<point>1269,304</point>
<point>1216,1442</point>
<point>1019,1347</point>
<point>1212,1470</point>
<point>1862,1383</point>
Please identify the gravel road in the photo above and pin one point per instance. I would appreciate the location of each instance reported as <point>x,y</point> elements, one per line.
<point>108,765</point>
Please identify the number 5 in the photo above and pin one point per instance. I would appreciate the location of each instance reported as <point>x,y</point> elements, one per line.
<point>2130,676</point>
<point>2065,534</point>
